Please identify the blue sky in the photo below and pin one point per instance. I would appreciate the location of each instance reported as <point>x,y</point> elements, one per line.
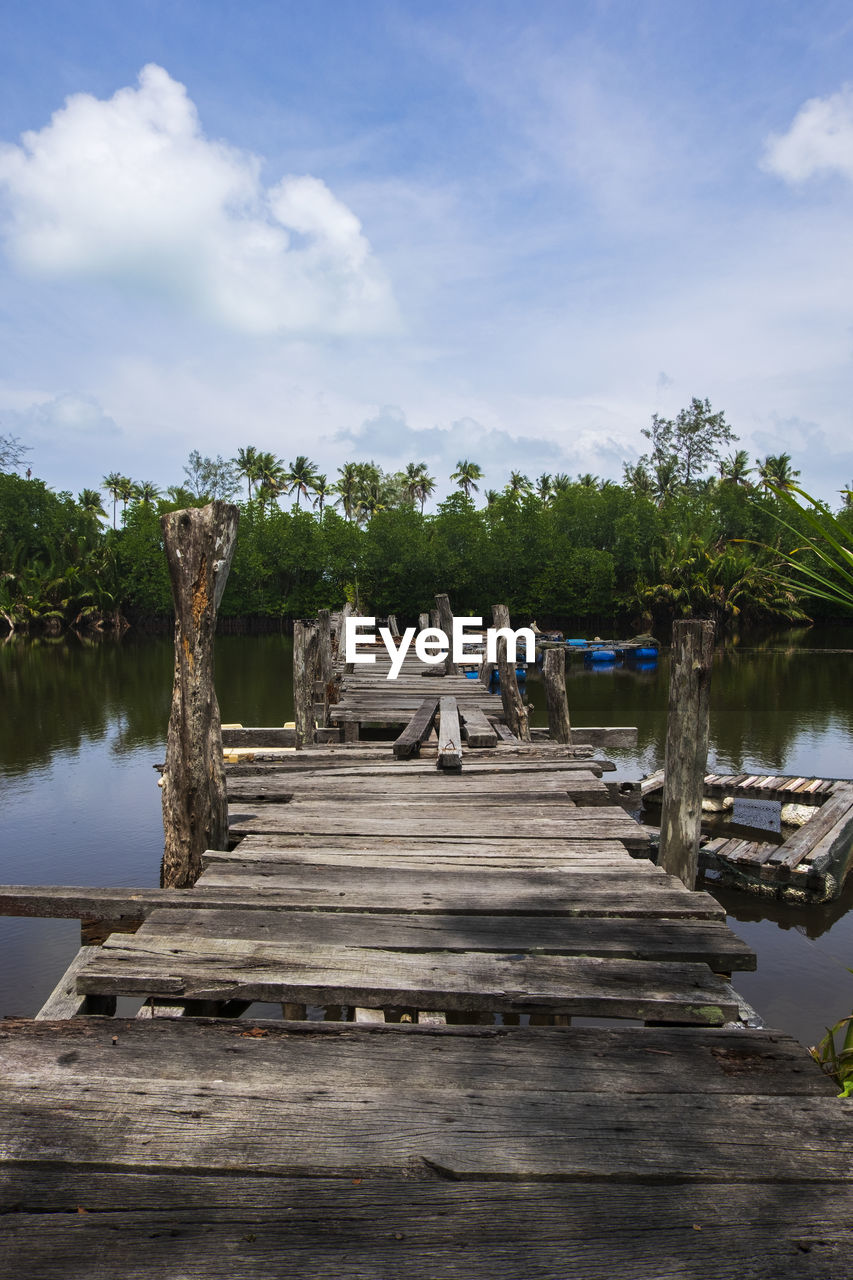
<point>409,231</point>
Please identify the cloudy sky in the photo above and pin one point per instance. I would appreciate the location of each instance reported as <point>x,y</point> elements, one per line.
<point>423,231</point>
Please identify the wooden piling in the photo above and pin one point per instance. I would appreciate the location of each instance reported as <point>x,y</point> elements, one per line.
<point>445,621</point>
<point>324,628</point>
<point>423,621</point>
<point>686,748</point>
<point>515,712</point>
<point>199,544</point>
<point>392,626</point>
<point>554,680</point>
<point>305,656</point>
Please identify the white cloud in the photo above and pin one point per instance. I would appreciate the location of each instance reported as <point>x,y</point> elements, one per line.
<point>67,417</point>
<point>132,191</point>
<point>819,141</point>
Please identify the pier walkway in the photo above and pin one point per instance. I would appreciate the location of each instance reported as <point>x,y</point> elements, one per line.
<point>533,1063</point>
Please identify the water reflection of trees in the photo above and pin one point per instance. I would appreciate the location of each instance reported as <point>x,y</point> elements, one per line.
<point>56,695</point>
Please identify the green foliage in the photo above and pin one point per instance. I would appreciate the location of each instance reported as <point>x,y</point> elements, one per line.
<point>837,1062</point>
<point>655,548</point>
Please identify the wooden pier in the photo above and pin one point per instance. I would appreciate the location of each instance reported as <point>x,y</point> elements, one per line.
<point>452,1116</point>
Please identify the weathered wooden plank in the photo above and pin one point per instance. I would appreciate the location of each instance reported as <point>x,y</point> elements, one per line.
<point>429,1230</point>
<point>546,893</point>
<point>224,969</point>
<point>478,730</point>
<point>417,729</point>
<point>374,1129</point>
<point>619,1060</point>
<point>65,1001</point>
<point>367,819</point>
<point>695,941</point>
<point>449,734</point>
<point>797,846</point>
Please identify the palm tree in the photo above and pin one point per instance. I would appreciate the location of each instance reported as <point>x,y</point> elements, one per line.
<point>147,492</point>
<point>301,476</point>
<point>637,477</point>
<point>412,480</point>
<point>735,468</point>
<point>269,476</point>
<point>181,495</point>
<point>126,491</point>
<point>113,483</point>
<point>588,480</point>
<point>544,487</point>
<point>321,488</point>
<point>347,487</point>
<point>90,501</point>
<point>560,483</point>
<point>426,488</point>
<point>491,496</point>
<point>518,484</point>
<point>665,481</point>
<point>246,463</point>
<point>466,475</point>
<point>776,471</point>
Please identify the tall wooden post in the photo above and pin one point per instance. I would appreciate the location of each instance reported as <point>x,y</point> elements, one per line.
<point>515,712</point>
<point>445,621</point>
<point>305,656</point>
<point>554,680</point>
<point>423,621</point>
<point>345,613</point>
<point>324,626</point>
<point>686,748</point>
<point>199,545</point>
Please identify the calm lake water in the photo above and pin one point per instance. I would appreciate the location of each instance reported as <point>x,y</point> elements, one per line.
<point>82,725</point>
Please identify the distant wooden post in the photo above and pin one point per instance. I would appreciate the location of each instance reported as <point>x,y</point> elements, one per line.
<point>324,625</point>
<point>423,621</point>
<point>445,621</point>
<point>392,626</point>
<point>305,647</point>
<point>515,712</point>
<point>345,613</point>
<point>686,756</point>
<point>199,545</point>
<point>554,680</point>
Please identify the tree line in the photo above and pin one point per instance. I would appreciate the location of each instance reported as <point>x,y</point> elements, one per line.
<point>688,531</point>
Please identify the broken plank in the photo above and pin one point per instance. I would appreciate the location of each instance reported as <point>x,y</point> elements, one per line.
<point>416,730</point>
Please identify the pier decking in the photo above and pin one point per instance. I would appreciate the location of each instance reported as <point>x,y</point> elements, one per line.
<point>460,1125</point>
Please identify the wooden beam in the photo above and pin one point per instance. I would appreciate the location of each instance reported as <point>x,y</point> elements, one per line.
<point>449,735</point>
<point>416,730</point>
<point>65,1001</point>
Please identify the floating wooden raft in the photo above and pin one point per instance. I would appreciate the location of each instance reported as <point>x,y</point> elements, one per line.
<point>760,786</point>
<point>812,863</point>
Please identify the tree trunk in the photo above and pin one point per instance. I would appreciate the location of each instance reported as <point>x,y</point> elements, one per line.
<point>554,680</point>
<point>199,545</point>
<point>686,756</point>
<point>515,712</point>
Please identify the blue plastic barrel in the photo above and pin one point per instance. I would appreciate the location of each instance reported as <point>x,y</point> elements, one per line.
<point>578,642</point>
<point>602,655</point>
<point>645,653</point>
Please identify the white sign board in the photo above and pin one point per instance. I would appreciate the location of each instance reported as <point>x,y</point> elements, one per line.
<point>764,814</point>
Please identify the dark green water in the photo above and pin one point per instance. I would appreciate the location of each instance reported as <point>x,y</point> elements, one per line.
<point>81,727</point>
